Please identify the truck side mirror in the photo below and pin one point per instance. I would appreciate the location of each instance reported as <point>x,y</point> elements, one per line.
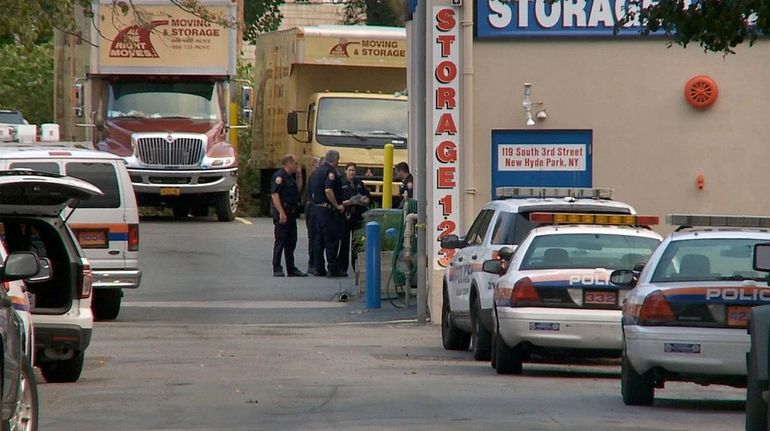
<point>77,99</point>
<point>246,111</point>
<point>761,260</point>
<point>292,123</point>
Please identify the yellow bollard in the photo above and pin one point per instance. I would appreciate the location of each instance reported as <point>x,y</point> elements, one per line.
<point>387,177</point>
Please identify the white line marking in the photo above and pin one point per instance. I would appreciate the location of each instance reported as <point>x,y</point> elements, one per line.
<point>243,220</point>
<point>255,305</point>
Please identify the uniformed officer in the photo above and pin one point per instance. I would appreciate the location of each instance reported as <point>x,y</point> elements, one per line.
<point>407,182</point>
<point>310,222</point>
<point>284,195</point>
<point>328,213</point>
<point>356,200</point>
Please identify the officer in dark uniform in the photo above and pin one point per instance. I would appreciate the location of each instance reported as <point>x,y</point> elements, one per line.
<point>284,195</point>
<point>312,237</point>
<point>328,213</point>
<point>407,182</point>
<point>356,200</point>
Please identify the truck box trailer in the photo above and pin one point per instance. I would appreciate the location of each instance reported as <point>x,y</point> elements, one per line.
<point>330,87</point>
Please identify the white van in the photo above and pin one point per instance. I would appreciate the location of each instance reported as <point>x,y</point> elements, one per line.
<point>106,226</point>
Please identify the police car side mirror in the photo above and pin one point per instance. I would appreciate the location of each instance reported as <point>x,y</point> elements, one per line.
<point>493,266</point>
<point>623,277</point>
<point>761,261</point>
<point>505,253</point>
<point>452,241</point>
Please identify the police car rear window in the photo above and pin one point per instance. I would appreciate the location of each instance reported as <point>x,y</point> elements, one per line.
<point>587,251</point>
<point>101,175</point>
<point>716,259</point>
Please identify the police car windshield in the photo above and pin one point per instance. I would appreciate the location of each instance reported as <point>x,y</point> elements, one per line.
<point>716,259</point>
<point>587,251</point>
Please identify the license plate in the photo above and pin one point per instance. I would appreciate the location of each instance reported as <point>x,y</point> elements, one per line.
<point>738,315</point>
<point>89,238</point>
<point>543,326</point>
<point>600,297</point>
<point>170,191</point>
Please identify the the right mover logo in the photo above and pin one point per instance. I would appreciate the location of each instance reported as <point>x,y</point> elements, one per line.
<point>134,41</point>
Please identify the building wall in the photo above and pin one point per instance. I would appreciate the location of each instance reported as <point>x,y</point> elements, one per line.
<point>649,144</point>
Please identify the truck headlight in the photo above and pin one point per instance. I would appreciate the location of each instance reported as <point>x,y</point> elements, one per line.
<point>217,162</point>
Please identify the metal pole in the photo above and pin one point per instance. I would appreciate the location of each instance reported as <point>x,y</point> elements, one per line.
<point>387,177</point>
<point>418,95</point>
<point>373,286</point>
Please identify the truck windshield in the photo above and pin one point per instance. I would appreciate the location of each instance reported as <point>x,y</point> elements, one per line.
<point>362,122</point>
<point>153,99</point>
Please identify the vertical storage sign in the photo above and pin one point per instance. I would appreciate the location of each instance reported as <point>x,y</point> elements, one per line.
<point>541,158</point>
<point>445,120</point>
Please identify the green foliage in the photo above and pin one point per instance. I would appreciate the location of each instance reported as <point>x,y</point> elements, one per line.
<point>261,16</point>
<point>716,25</point>
<point>248,177</point>
<point>373,12</point>
<point>26,81</point>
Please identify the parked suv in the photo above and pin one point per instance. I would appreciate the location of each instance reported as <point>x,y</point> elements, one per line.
<point>107,226</point>
<point>31,205</point>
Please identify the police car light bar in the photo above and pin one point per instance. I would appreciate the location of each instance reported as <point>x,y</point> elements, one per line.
<point>597,219</point>
<point>703,220</point>
<point>553,192</point>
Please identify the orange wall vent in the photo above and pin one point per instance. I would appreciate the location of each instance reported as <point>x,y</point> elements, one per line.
<point>701,92</point>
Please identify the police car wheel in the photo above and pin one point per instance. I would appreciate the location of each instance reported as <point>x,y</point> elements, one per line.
<point>480,336</point>
<point>637,389</point>
<point>106,303</point>
<point>508,360</point>
<point>63,371</point>
<point>452,337</point>
<point>756,406</point>
<point>25,414</point>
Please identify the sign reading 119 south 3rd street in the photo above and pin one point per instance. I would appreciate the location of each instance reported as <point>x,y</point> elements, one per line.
<point>541,158</point>
<point>563,18</point>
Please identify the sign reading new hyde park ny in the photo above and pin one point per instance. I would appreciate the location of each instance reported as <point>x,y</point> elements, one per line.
<point>541,158</point>
<point>445,119</point>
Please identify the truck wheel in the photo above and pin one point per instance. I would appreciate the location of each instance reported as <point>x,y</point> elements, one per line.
<point>756,407</point>
<point>480,337</point>
<point>106,303</point>
<point>63,371</point>
<point>227,204</point>
<point>637,389</point>
<point>452,337</point>
<point>25,413</point>
<point>508,360</point>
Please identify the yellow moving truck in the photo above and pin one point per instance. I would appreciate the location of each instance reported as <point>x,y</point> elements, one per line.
<point>330,87</point>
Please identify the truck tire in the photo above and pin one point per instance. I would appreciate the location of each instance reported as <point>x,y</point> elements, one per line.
<point>481,344</point>
<point>637,389</point>
<point>226,205</point>
<point>106,303</point>
<point>25,414</point>
<point>452,337</point>
<point>63,371</point>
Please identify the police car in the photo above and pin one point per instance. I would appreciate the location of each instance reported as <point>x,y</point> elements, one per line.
<point>556,295</point>
<point>686,318</point>
<point>467,290</point>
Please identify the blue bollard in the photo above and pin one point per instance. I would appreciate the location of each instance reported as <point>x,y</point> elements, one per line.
<point>373,286</point>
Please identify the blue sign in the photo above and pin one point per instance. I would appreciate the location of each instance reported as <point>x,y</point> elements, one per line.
<point>576,18</point>
<point>542,158</point>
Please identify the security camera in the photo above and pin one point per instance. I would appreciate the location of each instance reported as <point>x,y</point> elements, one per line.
<point>541,115</point>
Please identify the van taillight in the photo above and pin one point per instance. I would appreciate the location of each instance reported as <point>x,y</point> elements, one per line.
<point>133,237</point>
<point>656,310</point>
<point>85,280</point>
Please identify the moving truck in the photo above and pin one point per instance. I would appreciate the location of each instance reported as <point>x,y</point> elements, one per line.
<point>157,92</point>
<point>330,87</point>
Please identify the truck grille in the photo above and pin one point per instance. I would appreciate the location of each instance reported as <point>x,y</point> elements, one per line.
<point>179,152</point>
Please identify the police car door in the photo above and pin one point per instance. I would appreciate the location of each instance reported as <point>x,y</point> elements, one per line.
<point>469,259</point>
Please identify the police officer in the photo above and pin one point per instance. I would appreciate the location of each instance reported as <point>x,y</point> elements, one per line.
<point>356,200</point>
<point>330,225</point>
<point>407,182</point>
<point>284,195</point>
<point>310,222</point>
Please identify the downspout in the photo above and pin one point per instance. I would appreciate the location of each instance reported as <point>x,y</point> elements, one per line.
<point>467,158</point>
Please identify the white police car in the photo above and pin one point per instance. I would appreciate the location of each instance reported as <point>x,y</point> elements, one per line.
<point>686,318</point>
<point>556,295</point>
<point>467,290</point>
